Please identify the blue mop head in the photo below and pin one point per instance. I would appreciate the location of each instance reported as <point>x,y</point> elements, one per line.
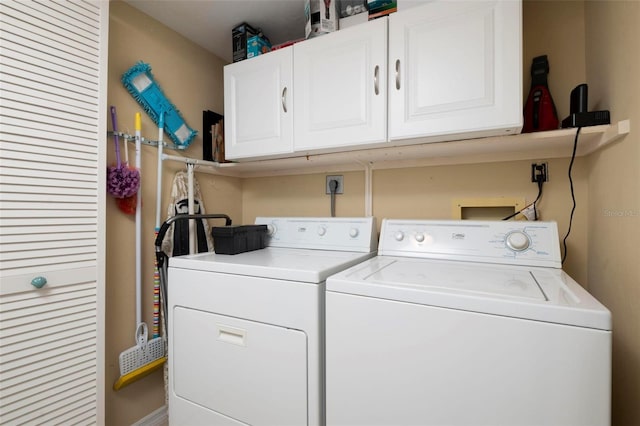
<point>140,83</point>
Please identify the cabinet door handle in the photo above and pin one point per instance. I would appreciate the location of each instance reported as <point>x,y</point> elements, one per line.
<point>397,74</point>
<point>376,86</point>
<point>284,99</point>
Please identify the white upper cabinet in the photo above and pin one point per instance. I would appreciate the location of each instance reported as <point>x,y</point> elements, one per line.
<point>340,89</point>
<point>455,70</point>
<point>442,71</point>
<point>258,104</point>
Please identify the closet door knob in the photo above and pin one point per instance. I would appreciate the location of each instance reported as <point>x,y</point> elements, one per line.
<point>398,74</point>
<point>39,282</point>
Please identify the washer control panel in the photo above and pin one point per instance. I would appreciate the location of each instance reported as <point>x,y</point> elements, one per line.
<point>322,233</point>
<point>510,242</point>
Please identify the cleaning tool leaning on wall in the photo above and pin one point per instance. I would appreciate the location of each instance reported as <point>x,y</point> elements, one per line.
<point>147,355</point>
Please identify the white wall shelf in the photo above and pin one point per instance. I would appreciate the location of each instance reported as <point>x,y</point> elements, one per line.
<point>526,146</point>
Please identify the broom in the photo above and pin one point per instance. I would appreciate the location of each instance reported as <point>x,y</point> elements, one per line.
<point>147,356</point>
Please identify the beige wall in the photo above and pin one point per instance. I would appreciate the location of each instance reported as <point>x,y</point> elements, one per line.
<point>613,72</point>
<point>555,29</point>
<point>428,192</point>
<point>192,79</point>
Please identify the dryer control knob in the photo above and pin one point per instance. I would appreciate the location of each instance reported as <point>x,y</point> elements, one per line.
<point>322,230</point>
<point>518,241</point>
<point>419,237</point>
<point>353,232</point>
<point>271,229</point>
<point>399,236</point>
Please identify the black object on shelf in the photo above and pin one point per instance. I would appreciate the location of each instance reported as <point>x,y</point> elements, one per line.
<point>209,119</point>
<point>579,115</point>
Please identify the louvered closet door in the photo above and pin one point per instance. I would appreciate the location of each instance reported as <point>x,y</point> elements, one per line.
<point>52,138</point>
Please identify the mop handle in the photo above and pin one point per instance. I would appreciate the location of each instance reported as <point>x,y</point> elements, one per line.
<point>156,272</point>
<point>138,140</point>
<point>115,134</point>
<point>138,226</point>
<point>159,182</point>
<point>191,209</point>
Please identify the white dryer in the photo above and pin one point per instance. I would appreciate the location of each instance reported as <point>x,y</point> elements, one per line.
<point>465,323</point>
<point>246,331</point>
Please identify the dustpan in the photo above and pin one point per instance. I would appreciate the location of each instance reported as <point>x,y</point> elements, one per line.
<point>141,360</point>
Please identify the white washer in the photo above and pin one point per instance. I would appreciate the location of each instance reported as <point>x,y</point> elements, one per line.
<point>246,331</point>
<point>465,323</point>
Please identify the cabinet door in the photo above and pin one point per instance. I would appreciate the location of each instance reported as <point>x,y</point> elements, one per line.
<point>341,93</point>
<point>455,68</point>
<point>258,105</point>
<point>52,196</point>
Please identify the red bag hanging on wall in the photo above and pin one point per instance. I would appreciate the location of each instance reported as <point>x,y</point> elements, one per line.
<point>539,111</point>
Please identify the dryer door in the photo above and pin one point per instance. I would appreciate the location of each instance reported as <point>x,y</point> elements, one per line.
<point>248,371</point>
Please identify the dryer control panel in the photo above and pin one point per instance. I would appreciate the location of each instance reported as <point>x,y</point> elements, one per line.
<point>356,234</point>
<point>515,242</point>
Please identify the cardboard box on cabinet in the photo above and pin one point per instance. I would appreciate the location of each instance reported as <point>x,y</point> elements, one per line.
<point>248,42</point>
<point>321,17</point>
<point>257,45</point>
<point>353,12</point>
<point>378,8</point>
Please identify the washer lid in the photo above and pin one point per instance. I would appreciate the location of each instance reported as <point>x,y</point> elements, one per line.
<point>311,266</point>
<point>543,294</point>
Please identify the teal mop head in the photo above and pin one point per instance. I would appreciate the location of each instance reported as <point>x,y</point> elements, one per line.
<point>140,83</point>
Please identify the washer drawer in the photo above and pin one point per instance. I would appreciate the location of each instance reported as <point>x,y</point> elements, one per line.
<point>252,372</point>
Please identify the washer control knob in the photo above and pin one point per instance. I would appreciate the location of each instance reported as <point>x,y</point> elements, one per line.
<point>518,241</point>
<point>322,230</point>
<point>353,232</point>
<point>399,236</point>
<point>419,237</point>
<point>271,229</point>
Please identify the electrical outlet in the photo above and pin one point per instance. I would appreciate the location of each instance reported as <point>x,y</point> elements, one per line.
<point>339,179</point>
<point>539,169</point>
